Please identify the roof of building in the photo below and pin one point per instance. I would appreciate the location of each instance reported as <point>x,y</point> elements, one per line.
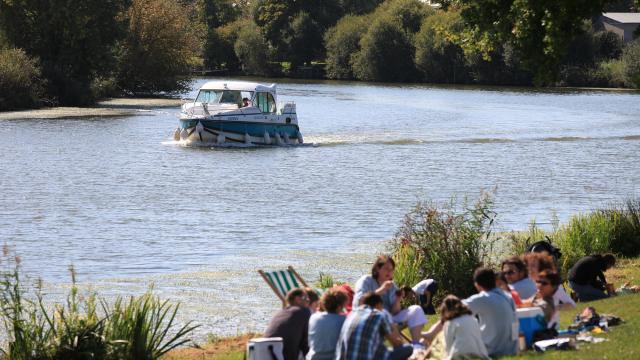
<point>625,18</point>
<point>238,85</point>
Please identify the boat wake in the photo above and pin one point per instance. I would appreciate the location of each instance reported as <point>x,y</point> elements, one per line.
<point>230,145</point>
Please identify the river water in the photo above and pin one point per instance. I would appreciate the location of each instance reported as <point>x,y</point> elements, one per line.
<point>128,208</point>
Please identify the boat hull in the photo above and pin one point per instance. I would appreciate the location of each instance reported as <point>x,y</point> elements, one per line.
<point>206,131</point>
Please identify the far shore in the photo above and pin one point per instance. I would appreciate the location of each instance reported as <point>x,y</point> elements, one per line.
<point>106,108</point>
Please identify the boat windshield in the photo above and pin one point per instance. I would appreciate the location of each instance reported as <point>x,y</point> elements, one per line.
<point>223,96</point>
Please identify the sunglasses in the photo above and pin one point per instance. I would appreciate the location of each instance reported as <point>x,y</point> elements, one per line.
<point>510,272</point>
<point>543,283</point>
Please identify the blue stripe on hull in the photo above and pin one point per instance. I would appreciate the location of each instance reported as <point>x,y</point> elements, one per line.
<point>253,129</point>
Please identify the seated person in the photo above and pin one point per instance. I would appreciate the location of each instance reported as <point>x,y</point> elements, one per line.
<point>538,262</point>
<point>245,102</point>
<point>291,324</point>
<point>496,314</point>
<point>501,282</point>
<point>314,299</point>
<point>516,274</point>
<point>587,279</point>
<point>462,337</point>
<point>381,282</point>
<point>324,326</point>
<point>364,331</point>
<point>547,284</point>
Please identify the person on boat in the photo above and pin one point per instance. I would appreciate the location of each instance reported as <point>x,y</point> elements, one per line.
<point>292,325</point>
<point>245,102</point>
<point>325,325</point>
<point>381,283</point>
<point>539,262</point>
<point>587,279</point>
<point>496,313</point>
<point>516,273</point>
<point>365,330</point>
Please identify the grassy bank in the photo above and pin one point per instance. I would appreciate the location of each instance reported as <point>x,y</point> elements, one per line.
<point>622,339</point>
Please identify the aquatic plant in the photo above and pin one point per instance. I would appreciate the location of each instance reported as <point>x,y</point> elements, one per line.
<point>143,328</point>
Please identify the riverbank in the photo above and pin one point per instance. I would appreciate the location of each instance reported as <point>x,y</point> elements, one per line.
<point>621,340</point>
<point>106,108</point>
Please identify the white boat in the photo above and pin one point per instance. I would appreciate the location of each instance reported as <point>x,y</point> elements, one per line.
<point>238,112</point>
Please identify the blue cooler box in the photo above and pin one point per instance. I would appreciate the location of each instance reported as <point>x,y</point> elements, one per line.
<point>531,319</point>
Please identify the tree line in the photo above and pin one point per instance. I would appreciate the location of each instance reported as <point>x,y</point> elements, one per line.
<point>72,52</point>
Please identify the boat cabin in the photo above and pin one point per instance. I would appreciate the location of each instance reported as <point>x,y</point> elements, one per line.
<point>242,94</point>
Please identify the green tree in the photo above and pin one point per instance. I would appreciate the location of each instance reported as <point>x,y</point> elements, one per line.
<point>631,61</point>
<point>20,82</point>
<point>161,45</point>
<point>252,50</point>
<point>359,7</point>
<point>438,55</point>
<point>304,32</point>
<point>274,17</point>
<point>539,31</point>
<point>72,38</point>
<point>386,53</point>
<point>408,13</point>
<point>218,47</point>
<point>342,42</point>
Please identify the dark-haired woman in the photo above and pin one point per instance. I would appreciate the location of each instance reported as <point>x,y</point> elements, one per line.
<point>381,283</point>
<point>461,332</point>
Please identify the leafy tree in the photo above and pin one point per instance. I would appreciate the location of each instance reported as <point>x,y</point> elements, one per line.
<point>251,49</point>
<point>359,7</point>
<point>161,45</point>
<point>304,32</point>
<point>20,82</point>
<point>631,61</point>
<point>342,42</point>
<point>72,38</point>
<point>539,31</point>
<point>408,13</point>
<point>438,55</point>
<point>219,50</point>
<point>274,19</point>
<point>218,47</point>
<point>386,53</point>
<point>220,12</point>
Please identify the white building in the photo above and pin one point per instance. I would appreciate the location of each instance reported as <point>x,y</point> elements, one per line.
<point>623,24</point>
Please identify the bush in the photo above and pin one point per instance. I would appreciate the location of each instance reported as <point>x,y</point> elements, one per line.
<point>342,42</point>
<point>438,56</point>
<point>386,53</point>
<point>143,328</point>
<point>251,48</point>
<point>409,14</point>
<point>161,46</point>
<point>445,244</point>
<point>631,60</point>
<point>219,52</point>
<point>20,82</point>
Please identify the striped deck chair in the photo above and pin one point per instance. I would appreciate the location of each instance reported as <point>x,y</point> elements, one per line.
<point>283,281</point>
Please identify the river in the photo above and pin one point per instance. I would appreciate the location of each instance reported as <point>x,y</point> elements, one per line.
<point>128,208</point>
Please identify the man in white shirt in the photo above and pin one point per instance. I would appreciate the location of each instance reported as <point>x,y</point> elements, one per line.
<point>496,314</point>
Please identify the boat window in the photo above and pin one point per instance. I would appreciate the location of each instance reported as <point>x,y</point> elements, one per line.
<point>231,97</point>
<point>209,96</point>
<point>265,102</point>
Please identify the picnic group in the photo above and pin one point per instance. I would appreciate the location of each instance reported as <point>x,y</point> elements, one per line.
<point>366,322</point>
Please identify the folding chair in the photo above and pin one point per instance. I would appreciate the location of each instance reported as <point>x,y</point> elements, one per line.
<point>283,281</point>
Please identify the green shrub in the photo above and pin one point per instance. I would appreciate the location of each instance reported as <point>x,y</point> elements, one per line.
<point>252,50</point>
<point>446,243</point>
<point>141,329</point>
<point>161,46</point>
<point>342,42</point>
<point>386,53</point>
<point>20,82</point>
<point>631,60</point>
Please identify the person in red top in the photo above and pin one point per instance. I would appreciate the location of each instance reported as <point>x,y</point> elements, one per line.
<point>501,282</point>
